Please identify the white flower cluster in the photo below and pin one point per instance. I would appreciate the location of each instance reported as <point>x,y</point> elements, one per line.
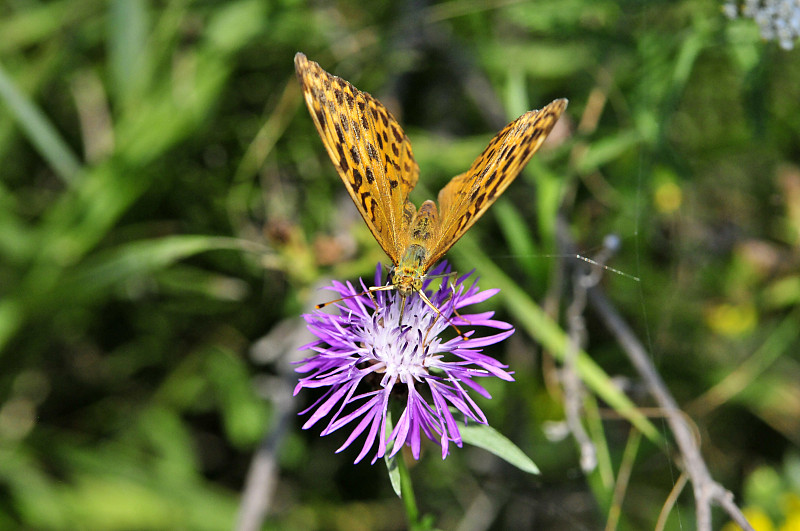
<point>777,19</point>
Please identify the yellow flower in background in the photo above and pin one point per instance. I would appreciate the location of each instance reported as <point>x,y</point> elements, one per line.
<point>791,503</point>
<point>791,507</point>
<point>757,518</point>
<point>732,319</point>
<point>668,197</point>
<point>792,523</point>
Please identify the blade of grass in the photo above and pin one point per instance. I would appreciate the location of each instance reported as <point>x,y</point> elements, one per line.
<point>39,130</point>
<point>540,327</point>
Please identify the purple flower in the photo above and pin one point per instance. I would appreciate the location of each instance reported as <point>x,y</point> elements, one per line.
<point>366,361</point>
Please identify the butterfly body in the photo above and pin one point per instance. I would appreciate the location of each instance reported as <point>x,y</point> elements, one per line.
<point>407,276</point>
<point>374,159</point>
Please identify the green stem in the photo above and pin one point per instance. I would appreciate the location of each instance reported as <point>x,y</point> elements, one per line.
<point>407,492</point>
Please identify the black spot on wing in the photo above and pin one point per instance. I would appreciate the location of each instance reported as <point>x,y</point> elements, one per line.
<point>371,152</point>
<point>321,117</point>
<point>390,162</point>
<point>368,205</point>
<point>463,220</point>
<point>342,158</point>
<point>526,153</point>
<point>358,180</point>
<point>508,164</point>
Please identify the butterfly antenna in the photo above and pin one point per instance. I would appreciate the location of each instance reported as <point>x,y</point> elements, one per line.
<point>368,291</point>
<point>340,299</point>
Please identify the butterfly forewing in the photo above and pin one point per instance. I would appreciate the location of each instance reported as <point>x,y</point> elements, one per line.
<point>369,149</point>
<point>374,159</point>
<point>467,196</point>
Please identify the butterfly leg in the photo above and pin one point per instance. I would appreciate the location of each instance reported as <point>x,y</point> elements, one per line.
<point>453,288</point>
<point>438,315</point>
<point>427,301</point>
<point>402,309</point>
<point>450,276</point>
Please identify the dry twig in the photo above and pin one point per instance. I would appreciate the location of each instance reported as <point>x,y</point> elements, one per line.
<point>706,490</point>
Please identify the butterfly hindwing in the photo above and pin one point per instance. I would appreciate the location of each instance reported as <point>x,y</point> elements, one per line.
<point>369,149</point>
<point>466,197</point>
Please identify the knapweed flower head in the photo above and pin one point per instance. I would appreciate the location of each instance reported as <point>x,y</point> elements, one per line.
<point>369,362</point>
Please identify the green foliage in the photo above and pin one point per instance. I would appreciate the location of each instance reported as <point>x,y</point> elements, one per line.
<point>486,437</point>
<point>165,202</point>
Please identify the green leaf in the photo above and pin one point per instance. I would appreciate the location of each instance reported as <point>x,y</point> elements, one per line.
<point>392,465</point>
<point>530,317</point>
<point>236,23</point>
<point>40,130</point>
<point>491,440</point>
<point>605,150</point>
<point>109,268</point>
<point>394,473</point>
<point>521,243</point>
<point>128,52</point>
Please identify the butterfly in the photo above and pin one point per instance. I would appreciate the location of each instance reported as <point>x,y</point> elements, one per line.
<point>373,157</point>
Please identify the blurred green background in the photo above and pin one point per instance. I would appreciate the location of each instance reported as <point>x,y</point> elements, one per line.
<point>165,203</point>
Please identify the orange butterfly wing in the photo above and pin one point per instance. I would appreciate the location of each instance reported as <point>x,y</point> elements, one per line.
<point>466,197</point>
<point>369,149</point>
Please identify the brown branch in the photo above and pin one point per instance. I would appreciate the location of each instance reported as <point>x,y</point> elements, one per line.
<point>279,348</point>
<point>706,490</point>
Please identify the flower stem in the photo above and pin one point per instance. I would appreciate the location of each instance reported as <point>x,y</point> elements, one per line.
<point>407,492</point>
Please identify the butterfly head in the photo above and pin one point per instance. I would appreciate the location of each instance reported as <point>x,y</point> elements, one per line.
<point>406,280</point>
<point>407,275</point>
